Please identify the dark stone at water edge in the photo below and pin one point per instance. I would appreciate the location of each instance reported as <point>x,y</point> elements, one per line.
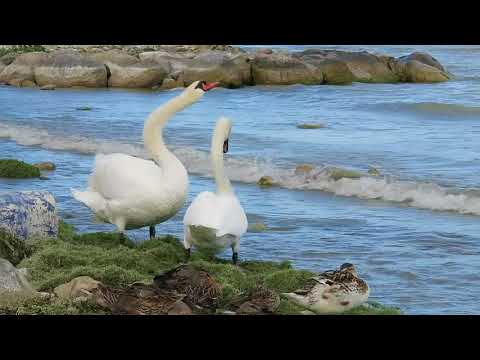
<point>12,279</point>
<point>29,214</point>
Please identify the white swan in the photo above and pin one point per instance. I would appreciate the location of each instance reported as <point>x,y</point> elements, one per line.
<point>130,192</point>
<point>216,220</point>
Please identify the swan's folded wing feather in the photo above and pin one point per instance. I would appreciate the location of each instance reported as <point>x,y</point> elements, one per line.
<point>117,176</point>
<point>202,211</point>
<point>232,218</point>
<point>222,213</point>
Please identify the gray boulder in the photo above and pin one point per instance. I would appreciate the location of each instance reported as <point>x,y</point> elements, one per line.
<point>61,68</point>
<point>21,69</point>
<point>137,75</point>
<point>283,69</point>
<point>411,70</point>
<point>424,58</point>
<point>13,280</point>
<point>346,66</point>
<point>229,69</point>
<point>216,66</point>
<point>29,214</point>
<point>68,69</point>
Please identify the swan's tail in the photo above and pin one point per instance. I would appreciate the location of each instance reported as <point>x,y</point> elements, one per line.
<point>91,199</point>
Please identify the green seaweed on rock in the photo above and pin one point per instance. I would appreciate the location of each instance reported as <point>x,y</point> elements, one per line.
<point>10,168</point>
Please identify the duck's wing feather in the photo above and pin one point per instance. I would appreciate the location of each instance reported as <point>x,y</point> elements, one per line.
<point>220,212</point>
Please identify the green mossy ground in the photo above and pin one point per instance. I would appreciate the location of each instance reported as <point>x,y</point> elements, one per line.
<point>111,260</point>
<point>20,49</point>
<point>10,168</point>
<point>13,249</point>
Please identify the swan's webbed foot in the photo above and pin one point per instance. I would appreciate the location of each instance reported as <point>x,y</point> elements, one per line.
<point>152,232</point>
<point>122,236</point>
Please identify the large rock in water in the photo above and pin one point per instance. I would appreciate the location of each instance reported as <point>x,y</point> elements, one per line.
<point>21,69</point>
<point>67,69</point>
<point>12,279</point>
<point>126,71</point>
<point>29,214</point>
<point>283,69</point>
<point>345,66</point>
<point>62,69</point>
<point>420,67</point>
<point>229,69</point>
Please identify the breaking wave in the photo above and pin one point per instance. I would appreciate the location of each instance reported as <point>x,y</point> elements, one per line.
<point>324,178</point>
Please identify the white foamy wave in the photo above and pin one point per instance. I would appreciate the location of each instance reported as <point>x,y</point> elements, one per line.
<point>249,170</point>
<point>29,136</point>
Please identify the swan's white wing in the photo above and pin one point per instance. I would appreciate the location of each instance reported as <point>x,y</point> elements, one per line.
<point>221,212</point>
<point>117,176</point>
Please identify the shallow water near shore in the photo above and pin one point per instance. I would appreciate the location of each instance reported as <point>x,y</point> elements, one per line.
<point>413,232</point>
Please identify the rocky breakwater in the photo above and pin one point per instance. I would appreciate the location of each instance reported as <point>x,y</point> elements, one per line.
<point>61,68</point>
<point>315,66</point>
<point>170,66</point>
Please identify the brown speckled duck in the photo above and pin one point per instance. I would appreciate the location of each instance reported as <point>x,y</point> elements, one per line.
<point>332,292</point>
<point>200,289</point>
<point>140,299</point>
<point>259,300</point>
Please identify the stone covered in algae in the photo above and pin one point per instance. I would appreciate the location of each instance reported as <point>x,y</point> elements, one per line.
<point>10,168</point>
<point>310,126</point>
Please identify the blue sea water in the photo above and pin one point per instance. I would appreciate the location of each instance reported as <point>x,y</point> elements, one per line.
<point>413,233</point>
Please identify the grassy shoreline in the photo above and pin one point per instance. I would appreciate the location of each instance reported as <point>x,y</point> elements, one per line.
<point>116,262</point>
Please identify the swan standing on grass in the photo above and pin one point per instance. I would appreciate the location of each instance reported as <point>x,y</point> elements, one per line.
<point>216,220</point>
<point>132,193</point>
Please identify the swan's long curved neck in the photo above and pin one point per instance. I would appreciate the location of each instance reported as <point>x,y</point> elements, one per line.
<point>152,131</point>
<point>221,179</point>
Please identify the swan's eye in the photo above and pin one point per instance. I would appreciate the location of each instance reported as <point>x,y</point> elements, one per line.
<point>225,146</point>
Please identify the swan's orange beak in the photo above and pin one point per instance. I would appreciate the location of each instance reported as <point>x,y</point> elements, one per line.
<point>225,146</point>
<point>209,86</point>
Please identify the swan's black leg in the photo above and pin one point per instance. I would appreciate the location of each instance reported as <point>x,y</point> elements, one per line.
<point>122,236</point>
<point>152,232</point>
<point>189,253</point>
<point>235,258</point>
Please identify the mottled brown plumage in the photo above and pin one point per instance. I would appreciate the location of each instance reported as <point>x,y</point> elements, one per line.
<point>140,299</point>
<point>332,291</point>
<point>259,300</point>
<point>199,288</point>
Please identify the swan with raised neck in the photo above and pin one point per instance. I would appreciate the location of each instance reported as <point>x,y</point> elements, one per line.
<point>131,192</point>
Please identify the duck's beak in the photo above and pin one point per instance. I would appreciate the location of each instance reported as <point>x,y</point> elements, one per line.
<point>225,146</point>
<point>209,86</point>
